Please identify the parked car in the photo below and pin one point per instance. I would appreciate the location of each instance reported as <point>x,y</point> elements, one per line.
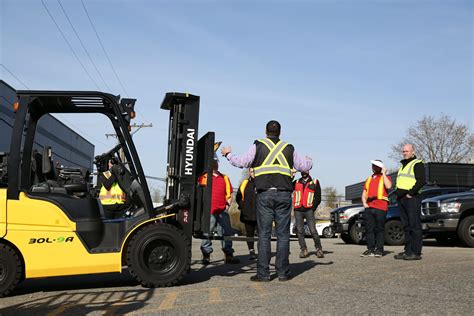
<point>449,217</point>
<point>323,228</point>
<point>343,221</point>
<point>394,233</point>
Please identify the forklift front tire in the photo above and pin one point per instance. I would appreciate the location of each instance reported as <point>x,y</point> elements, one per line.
<point>158,255</point>
<point>11,269</point>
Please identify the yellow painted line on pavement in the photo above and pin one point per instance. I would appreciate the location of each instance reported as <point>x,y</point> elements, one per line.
<point>215,295</point>
<point>168,301</point>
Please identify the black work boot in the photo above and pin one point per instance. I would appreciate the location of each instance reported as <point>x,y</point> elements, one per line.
<point>252,255</point>
<point>399,256</point>
<point>206,258</point>
<point>229,259</point>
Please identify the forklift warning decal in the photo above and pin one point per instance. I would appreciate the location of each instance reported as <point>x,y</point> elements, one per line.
<point>50,241</point>
<point>188,167</point>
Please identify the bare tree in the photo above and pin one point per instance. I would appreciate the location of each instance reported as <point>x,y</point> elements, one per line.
<point>438,140</point>
<point>156,195</point>
<point>330,196</point>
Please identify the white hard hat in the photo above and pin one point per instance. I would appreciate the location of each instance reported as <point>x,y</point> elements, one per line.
<point>377,163</point>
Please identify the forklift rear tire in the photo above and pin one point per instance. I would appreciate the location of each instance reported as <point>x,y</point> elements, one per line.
<point>11,269</point>
<point>159,255</point>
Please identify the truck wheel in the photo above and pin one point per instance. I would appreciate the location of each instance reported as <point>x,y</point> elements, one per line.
<point>346,238</point>
<point>328,232</point>
<point>394,234</point>
<point>158,255</point>
<point>11,269</point>
<point>356,235</point>
<point>466,231</point>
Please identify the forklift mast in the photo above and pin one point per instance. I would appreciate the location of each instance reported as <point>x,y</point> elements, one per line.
<point>188,158</point>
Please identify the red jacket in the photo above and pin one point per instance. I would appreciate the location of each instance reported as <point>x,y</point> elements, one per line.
<point>376,193</point>
<point>221,191</point>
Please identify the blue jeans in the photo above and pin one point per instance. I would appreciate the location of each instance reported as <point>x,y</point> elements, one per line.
<point>220,221</point>
<point>273,206</point>
<point>410,214</point>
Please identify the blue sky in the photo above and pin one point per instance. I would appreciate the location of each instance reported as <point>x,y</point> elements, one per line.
<point>344,78</point>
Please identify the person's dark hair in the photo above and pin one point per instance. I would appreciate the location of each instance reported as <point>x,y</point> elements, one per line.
<point>114,160</point>
<point>273,128</point>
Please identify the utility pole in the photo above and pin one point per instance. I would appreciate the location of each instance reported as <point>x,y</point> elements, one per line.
<point>134,125</point>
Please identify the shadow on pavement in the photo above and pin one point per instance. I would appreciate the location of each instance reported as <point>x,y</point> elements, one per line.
<point>202,273</point>
<point>82,303</point>
<point>453,243</point>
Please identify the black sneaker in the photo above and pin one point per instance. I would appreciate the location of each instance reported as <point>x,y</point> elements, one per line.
<point>285,278</point>
<point>256,278</point>
<point>229,259</point>
<point>206,259</point>
<point>367,253</point>
<point>400,256</point>
<point>252,255</point>
<point>378,253</point>
<point>412,257</point>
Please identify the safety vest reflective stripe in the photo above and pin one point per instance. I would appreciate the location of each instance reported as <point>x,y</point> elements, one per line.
<point>303,196</point>
<point>243,185</point>
<point>297,199</point>
<point>406,175</point>
<point>309,200</point>
<point>381,192</point>
<point>113,196</point>
<point>276,153</point>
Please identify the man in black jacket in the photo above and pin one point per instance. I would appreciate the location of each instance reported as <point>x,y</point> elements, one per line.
<point>306,199</point>
<point>245,198</point>
<point>410,180</point>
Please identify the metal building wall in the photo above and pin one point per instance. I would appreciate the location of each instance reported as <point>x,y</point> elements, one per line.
<point>69,148</point>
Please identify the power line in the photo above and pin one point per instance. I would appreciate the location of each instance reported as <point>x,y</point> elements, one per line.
<point>78,129</point>
<point>107,55</point>
<point>103,48</point>
<point>69,45</point>
<point>17,79</point>
<point>62,118</point>
<point>83,46</point>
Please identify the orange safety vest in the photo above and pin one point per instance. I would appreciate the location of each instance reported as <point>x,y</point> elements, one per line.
<point>303,196</point>
<point>381,191</point>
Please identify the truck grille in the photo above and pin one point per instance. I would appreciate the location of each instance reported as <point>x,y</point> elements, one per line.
<point>430,208</point>
<point>334,217</point>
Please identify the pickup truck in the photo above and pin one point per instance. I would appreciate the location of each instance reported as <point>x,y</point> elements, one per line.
<point>449,217</point>
<point>343,221</point>
<point>352,229</point>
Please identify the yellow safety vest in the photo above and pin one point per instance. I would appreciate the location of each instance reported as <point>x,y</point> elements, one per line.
<point>381,192</point>
<point>269,165</point>
<point>113,196</point>
<point>242,188</point>
<point>406,175</point>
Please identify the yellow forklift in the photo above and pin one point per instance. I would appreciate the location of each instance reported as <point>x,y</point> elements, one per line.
<point>52,222</point>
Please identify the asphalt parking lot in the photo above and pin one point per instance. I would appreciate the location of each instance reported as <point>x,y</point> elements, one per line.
<point>341,283</point>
